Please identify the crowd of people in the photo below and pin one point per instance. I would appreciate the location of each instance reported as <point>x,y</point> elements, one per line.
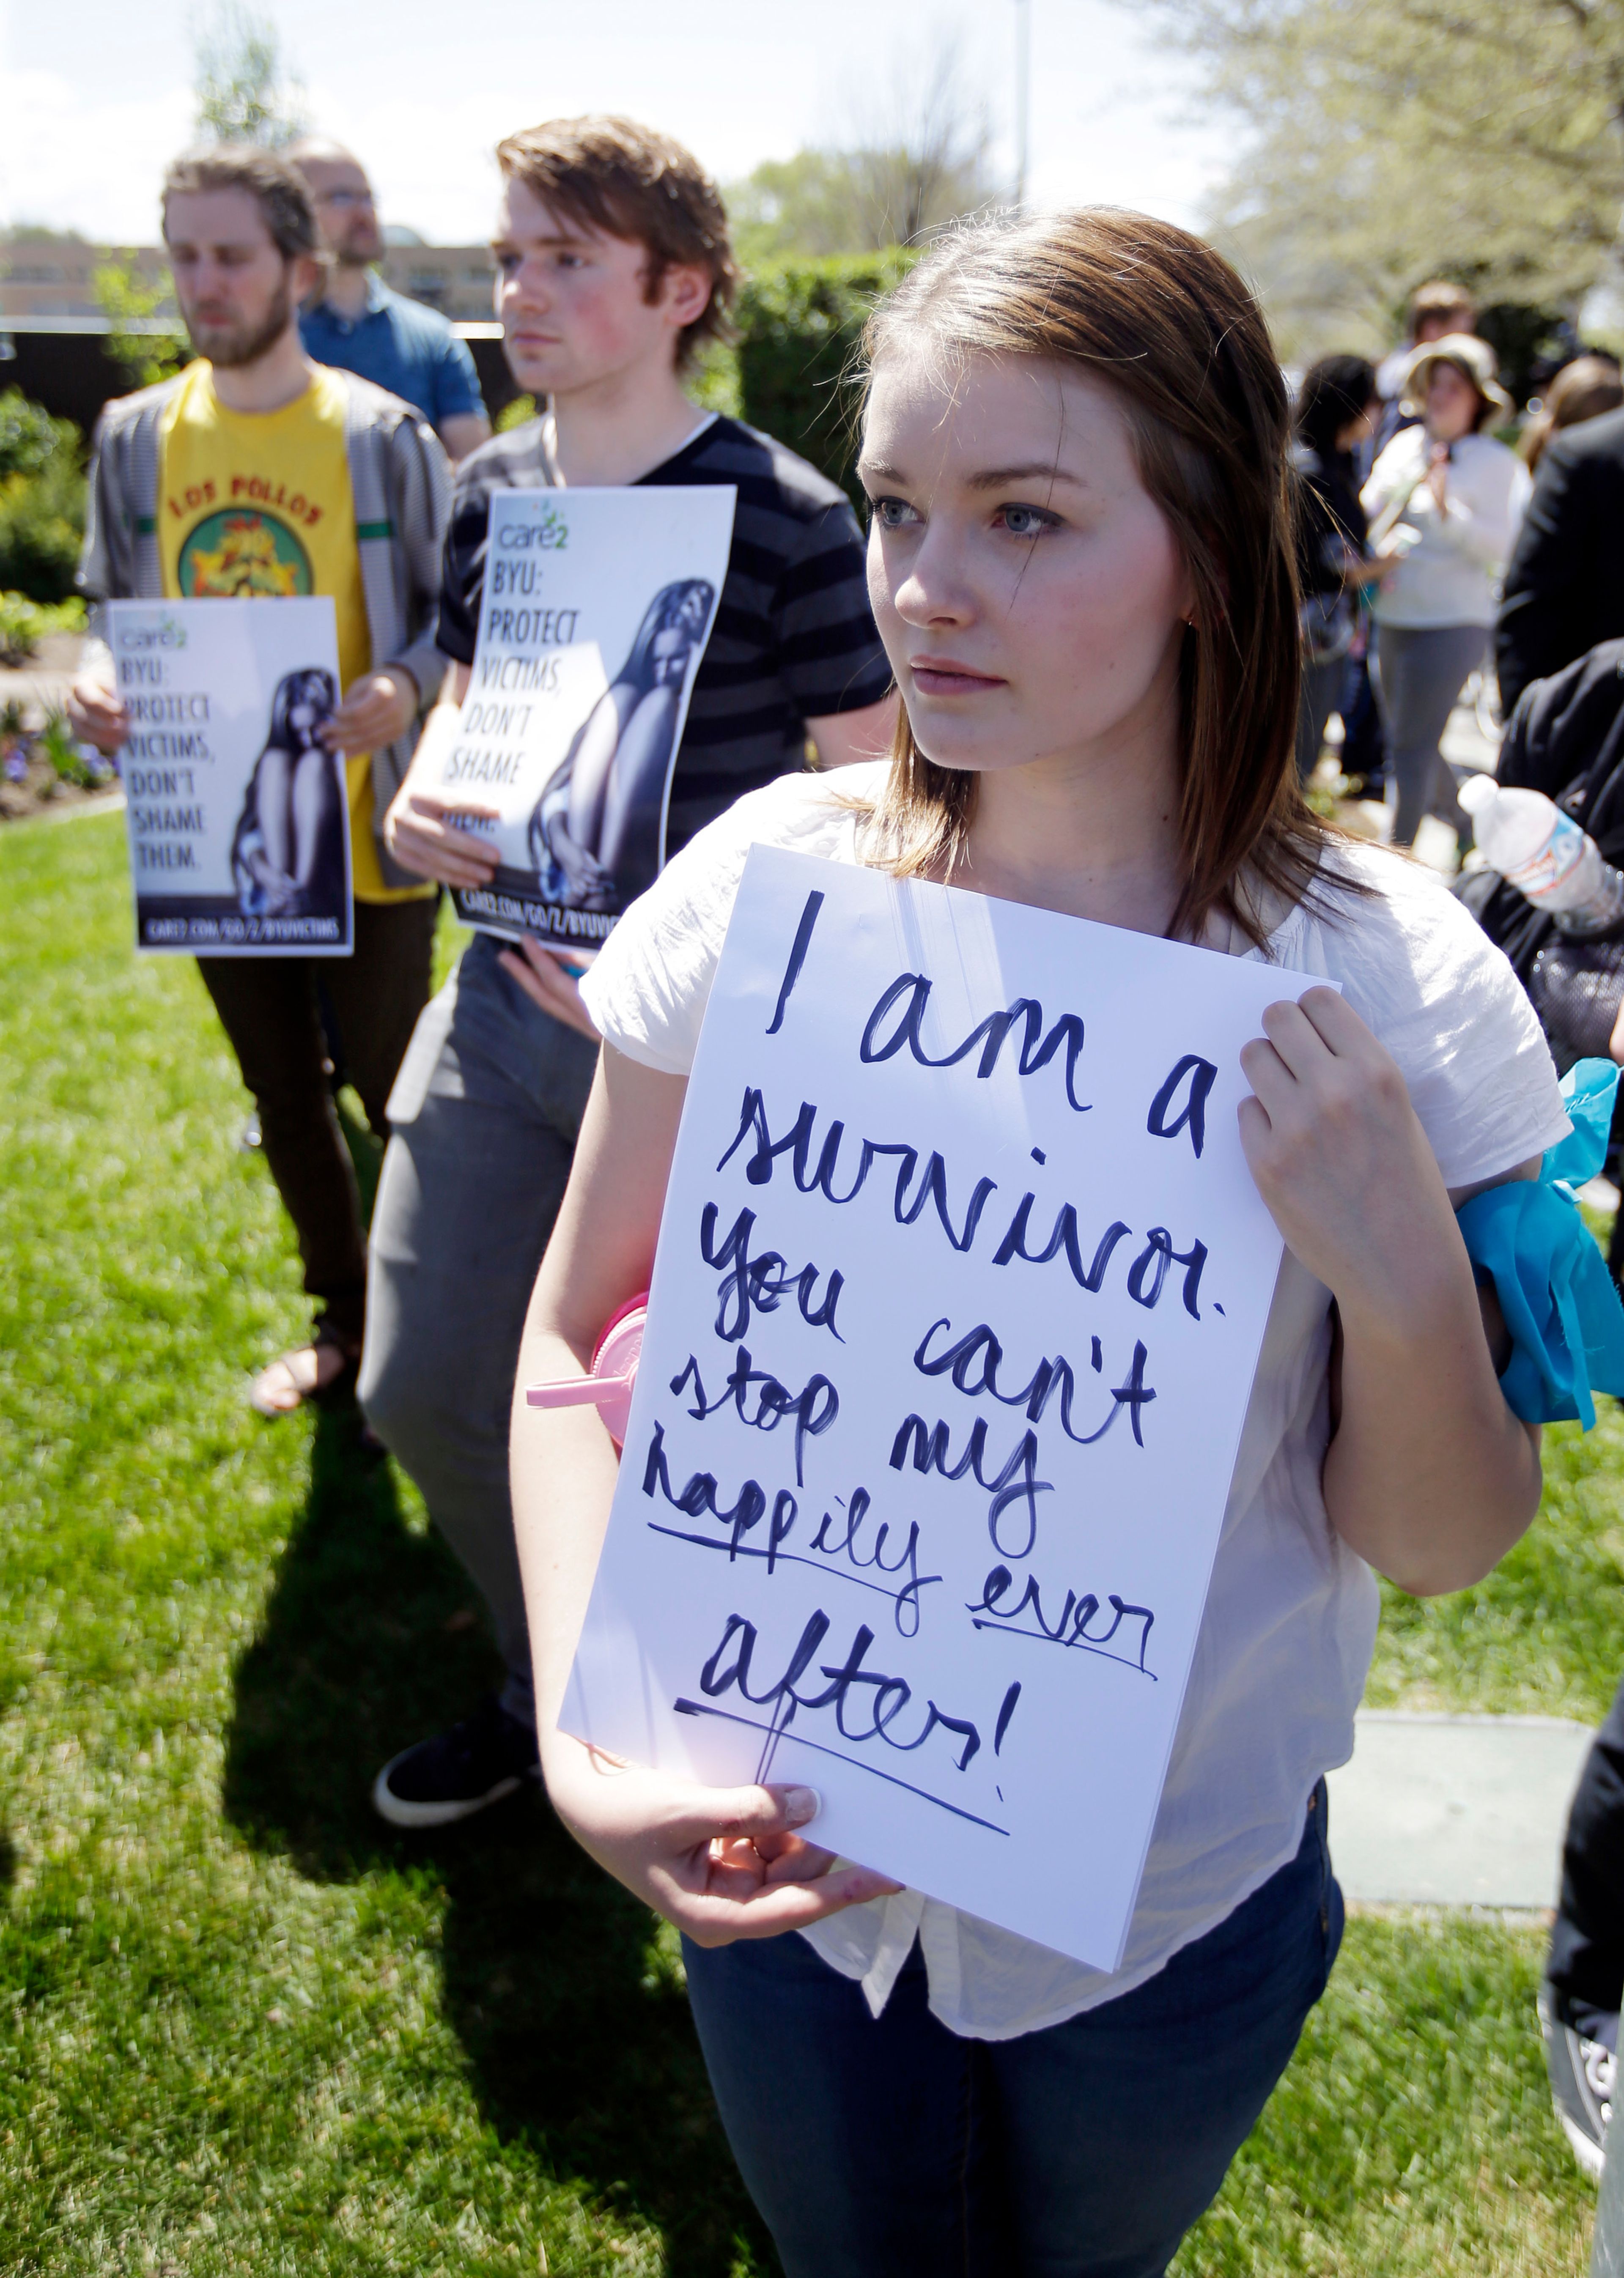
<point>1420,557</point>
<point>1077,685</point>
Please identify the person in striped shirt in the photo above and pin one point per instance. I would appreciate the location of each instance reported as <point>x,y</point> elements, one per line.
<point>616,269</point>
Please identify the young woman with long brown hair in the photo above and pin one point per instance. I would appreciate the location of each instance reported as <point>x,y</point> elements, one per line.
<point>1077,447</point>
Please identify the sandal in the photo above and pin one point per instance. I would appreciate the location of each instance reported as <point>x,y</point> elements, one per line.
<point>323,1370</point>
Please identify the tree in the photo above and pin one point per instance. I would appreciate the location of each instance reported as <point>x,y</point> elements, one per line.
<point>133,305</point>
<point>920,158</point>
<point>243,94</point>
<point>1393,139</point>
<point>811,205</point>
<point>934,164</point>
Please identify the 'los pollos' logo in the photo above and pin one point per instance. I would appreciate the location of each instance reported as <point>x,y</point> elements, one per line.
<point>242,553</point>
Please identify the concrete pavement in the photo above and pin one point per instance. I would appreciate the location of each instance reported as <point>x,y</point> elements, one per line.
<point>1454,1810</point>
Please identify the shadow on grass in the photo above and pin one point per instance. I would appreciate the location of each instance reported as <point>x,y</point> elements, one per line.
<point>578,2040</point>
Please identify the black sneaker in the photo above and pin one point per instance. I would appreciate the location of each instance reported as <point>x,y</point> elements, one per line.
<point>488,1756</point>
<point>1582,2076</point>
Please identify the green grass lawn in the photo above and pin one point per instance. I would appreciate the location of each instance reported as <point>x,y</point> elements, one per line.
<point>243,2027</point>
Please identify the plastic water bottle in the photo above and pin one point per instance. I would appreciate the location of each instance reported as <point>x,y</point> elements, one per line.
<point>1545,854</point>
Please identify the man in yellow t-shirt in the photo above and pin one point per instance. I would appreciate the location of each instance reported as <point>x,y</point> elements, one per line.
<point>258,473</point>
<point>260,503</point>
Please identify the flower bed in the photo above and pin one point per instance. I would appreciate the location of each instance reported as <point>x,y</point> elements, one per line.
<point>46,766</point>
<point>42,764</point>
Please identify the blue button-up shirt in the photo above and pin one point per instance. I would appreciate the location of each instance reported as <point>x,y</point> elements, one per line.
<point>399,345</point>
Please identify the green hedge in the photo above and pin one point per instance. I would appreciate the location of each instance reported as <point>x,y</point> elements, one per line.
<point>799,329</point>
<point>41,500</point>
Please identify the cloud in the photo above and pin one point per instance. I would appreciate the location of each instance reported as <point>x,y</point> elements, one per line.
<point>94,165</point>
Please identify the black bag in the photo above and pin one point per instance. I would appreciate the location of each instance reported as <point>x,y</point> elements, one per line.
<point>1565,738</point>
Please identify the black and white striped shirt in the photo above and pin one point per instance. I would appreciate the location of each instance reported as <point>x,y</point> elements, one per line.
<point>793,640</point>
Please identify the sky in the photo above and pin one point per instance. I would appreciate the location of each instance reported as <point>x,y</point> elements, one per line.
<point>96,94</point>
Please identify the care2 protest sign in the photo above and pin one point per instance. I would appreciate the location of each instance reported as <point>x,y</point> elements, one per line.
<point>236,811</point>
<point>596,610</point>
<point>959,1290</point>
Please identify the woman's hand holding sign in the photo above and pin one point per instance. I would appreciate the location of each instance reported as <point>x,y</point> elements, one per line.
<point>721,1863</point>
<point>1429,1475</point>
<point>1340,1157</point>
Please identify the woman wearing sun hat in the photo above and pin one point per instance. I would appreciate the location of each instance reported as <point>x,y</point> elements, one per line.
<point>1444,500</point>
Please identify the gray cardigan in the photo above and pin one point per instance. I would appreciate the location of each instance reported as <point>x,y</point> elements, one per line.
<point>402,483</point>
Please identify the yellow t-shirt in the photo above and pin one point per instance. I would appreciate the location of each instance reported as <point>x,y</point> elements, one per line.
<point>260,503</point>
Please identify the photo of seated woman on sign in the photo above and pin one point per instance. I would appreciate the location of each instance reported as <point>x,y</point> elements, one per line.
<point>594,836</point>
<point>287,851</point>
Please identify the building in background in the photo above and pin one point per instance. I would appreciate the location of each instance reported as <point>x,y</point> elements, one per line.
<point>54,326</point>
<point>52,274</point>
<point>456,279</point>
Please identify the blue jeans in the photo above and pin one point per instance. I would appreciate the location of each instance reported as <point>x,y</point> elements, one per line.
<point>892,2148</point>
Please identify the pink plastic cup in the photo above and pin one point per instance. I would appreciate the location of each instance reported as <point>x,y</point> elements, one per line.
<point>608,1384</point>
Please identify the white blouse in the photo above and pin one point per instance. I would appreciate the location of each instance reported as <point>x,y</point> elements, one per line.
<point>1289,1623</point>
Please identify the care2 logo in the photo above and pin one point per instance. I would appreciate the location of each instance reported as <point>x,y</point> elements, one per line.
<point>166,632</point>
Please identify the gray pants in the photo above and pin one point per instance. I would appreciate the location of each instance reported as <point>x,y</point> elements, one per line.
<point>484,1119</point>
<point>1418,672</point>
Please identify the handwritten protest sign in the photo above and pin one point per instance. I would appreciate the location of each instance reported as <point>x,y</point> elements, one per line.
<point>597,607</point>
<point>960,1291</point>
<point>236,811</point>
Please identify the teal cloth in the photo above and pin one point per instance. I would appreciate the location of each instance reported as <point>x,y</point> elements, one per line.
<point>1561,1309</point>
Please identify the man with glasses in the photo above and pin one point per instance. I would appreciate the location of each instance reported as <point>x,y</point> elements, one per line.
<point>360,325</point>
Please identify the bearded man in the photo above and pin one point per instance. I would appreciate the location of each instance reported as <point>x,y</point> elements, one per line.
<point>258,473</point>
